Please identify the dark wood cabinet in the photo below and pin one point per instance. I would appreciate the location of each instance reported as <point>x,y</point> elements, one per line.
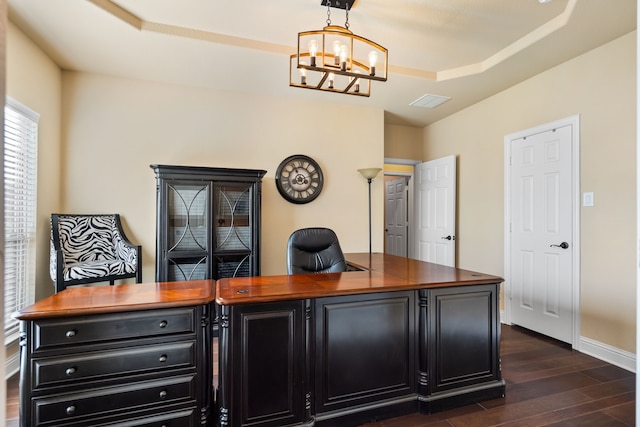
<point>138,368</point>
<point>208,222</point>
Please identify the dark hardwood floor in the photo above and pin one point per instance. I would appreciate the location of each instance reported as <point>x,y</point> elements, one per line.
<point>548,384</point>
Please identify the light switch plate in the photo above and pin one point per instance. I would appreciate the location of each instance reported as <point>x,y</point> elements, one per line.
<point>587,199</point>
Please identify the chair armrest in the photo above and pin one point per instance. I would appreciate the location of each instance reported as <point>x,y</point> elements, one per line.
<point>128,251</point>
<point>125,249</point>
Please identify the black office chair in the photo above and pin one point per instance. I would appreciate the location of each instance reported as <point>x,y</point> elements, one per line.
<point>314,250</point>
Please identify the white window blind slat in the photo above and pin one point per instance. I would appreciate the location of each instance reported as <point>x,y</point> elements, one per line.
<point>20,189</point>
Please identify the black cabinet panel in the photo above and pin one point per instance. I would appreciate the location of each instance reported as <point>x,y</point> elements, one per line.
<point>464,337</point>
<point>364,349</point>
<point>267,343</point>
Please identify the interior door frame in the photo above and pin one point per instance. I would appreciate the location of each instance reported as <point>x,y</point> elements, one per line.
<point>574,122</point>
<point>411,226</point>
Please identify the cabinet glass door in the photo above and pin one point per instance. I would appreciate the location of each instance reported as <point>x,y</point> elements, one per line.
<point>188,232</point>
<point>187,218</point>
<point>182,269</point>
<point>232,217</point>
<point>233,266</point>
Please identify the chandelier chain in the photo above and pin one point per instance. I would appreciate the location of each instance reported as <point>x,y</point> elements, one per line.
<point>346,24</point>
<point>329,12</point>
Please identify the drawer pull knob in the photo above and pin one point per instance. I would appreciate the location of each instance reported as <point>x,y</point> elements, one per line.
<point>70,334</point>
<point>163,394</point>
<point>70,371</point>
<point>163,324</point>
<point>71,410</point>
<point>163,358</point>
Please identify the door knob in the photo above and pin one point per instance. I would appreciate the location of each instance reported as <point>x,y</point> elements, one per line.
<point>449,238</point>
<point>563,245</point>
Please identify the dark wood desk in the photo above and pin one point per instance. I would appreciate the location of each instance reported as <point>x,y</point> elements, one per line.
<point>335,349</point>
<point>397,336</point>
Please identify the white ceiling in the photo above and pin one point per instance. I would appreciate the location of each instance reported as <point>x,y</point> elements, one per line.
<point>463,49</point>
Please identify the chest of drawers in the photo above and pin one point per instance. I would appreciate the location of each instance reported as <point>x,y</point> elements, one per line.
<point>141,367</point>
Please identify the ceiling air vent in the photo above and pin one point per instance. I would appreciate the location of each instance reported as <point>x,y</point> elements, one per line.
<point>429,101</point>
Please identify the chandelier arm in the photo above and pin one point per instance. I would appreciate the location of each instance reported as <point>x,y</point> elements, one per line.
<point>323,79</point>
<point>351,83</point>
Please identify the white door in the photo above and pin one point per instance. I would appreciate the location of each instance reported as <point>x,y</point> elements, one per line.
<point>397,220</point>
<point>435,211</point>
<point>541,241</point>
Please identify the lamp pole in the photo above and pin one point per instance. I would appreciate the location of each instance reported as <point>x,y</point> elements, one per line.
<point>369,174</point>
<point>369,182</point>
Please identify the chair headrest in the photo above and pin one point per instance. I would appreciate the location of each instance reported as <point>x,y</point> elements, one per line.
<point>313,239</point>
<point>314,250</point>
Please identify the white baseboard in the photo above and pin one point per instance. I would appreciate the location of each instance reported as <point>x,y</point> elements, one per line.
<point>12,365</point>
<point>604,352</point>
<point>607,353</point>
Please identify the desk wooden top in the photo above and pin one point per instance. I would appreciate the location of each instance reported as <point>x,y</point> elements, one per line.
<point>76,301</point>
<point>380,273</point>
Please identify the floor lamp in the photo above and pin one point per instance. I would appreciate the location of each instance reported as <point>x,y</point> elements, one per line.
<point>369,174</point>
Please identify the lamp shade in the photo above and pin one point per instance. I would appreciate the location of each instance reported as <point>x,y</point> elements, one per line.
<point>369,173</point>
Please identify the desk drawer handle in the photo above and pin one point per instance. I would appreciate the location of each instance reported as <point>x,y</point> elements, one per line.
<point>71,410</point>
<point>163,394</point>
<point>163,358</point>
<point>70,334</point>
<point>164,324</point>
<point>70,371</point>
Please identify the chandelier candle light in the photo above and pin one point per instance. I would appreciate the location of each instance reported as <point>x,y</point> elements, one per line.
<point>336,60</point>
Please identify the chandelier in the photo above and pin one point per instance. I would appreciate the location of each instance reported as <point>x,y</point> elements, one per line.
<point>336,60</point>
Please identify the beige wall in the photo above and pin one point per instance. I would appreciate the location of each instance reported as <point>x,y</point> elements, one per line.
<point>34,80</point>
<point>600,86</point>
<point>402,142</point>
<point>113,129</point>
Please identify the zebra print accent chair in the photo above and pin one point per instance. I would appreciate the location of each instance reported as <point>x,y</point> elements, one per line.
<point>91,248</point>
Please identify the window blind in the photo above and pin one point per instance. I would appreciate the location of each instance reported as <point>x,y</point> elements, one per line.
<point>20,182</point>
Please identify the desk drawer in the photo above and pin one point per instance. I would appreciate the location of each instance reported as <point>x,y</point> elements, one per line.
<point>188,417</point>
<point>53,371</point>
<point>96,403</point>
<point>53,333</point>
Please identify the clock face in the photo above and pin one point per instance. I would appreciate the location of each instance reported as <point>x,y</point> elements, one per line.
<point>299,179</point>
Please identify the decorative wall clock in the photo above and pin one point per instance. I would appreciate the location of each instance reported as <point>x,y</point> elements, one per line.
<point>299,179</point>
